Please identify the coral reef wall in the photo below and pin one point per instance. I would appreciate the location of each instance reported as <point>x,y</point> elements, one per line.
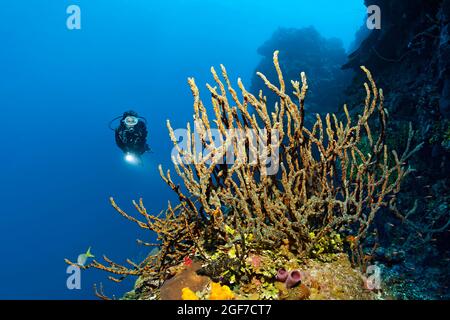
<point>410,55</point>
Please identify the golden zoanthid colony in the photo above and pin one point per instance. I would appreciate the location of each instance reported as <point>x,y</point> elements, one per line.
<point>241,232</point>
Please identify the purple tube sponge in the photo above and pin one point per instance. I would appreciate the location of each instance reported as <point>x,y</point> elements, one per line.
<point>293,279</point>
<point>282,275</point>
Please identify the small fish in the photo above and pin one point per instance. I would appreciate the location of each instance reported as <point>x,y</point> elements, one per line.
<point>82,258</point>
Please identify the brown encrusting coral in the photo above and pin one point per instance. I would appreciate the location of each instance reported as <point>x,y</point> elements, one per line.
<point>243,219</point>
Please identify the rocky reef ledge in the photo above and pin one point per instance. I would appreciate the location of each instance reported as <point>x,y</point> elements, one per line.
<point>320,280</point>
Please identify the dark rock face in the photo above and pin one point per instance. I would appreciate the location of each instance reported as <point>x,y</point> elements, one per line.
<point>410,59</point>
<point>306,50</point>
<point>444,65</point>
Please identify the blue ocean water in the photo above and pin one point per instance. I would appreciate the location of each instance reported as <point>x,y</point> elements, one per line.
<point>58,90</point>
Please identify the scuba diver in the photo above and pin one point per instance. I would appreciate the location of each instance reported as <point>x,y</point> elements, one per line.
<point>131,136</point>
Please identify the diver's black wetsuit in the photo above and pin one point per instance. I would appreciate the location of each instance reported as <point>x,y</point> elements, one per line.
<point>132,139</point>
